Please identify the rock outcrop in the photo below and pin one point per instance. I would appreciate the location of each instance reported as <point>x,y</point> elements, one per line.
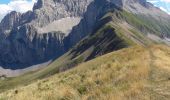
<point>21,42</point>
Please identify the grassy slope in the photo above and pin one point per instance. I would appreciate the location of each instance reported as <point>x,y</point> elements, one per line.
<point>108,36</point>
<point>147,24</point>
<point>135,73</point>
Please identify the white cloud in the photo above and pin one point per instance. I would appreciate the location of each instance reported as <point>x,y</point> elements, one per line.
<point>153,1</point>
<point>162,4</point>
<point>165,0</point>
<point>162,8</point>
<point>16,5</point>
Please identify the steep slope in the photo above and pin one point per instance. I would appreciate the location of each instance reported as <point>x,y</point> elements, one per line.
<point>113,30</point>
<point>85,50</point>
<point>33,31</point>
<point>36,36</point>
<point>138,13</point>
<point>109,35</point>
<point>119,75</point>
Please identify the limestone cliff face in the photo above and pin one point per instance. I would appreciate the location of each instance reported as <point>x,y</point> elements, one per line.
<point>11,20</point>
<point>46,11</point>
<point>21,49</point>
<point>21,44</point>
<point>86,26</point>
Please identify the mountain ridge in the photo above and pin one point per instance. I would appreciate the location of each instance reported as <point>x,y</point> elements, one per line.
<point>26,38</point>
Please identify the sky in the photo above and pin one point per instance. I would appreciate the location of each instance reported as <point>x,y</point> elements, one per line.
<point>22,6</point>
<point>162,4</point>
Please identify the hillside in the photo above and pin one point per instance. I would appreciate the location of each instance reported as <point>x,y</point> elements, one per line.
<point>108,36</point>
<point>113,31</point>
<point>111,49</point>
<point>135,73</point>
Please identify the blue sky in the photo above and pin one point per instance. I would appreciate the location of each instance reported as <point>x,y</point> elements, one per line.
<point>4,1</point>
<point>22,6</point>
<point>162,4</point>
<point>7,1</point>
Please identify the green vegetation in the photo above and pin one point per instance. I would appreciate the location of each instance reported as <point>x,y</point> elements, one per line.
<point>107,37</point>
<point>146,23</point>
<point>135,73</point>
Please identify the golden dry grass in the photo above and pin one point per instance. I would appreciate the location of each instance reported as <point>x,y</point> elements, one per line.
<point>135,73</point>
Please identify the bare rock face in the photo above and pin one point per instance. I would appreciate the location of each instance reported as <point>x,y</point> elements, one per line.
<point>86,26</point>
<point>47,11</point>
<point>21,49</point>
<point>21,43</point>
<point>11,20</point>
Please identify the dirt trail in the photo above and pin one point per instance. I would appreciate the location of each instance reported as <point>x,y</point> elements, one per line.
<point>159,80</point>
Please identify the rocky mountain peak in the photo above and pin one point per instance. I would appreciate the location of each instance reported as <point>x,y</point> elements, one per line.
<point>42,3</point>
<point>142,2</point>
<point>10,20</point>
<point>122,3</point>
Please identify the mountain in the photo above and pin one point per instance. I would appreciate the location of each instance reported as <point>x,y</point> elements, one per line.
<point>105,26</point>
<point>37,36</point>
<point>146,17</point>
<point>55,26</point>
